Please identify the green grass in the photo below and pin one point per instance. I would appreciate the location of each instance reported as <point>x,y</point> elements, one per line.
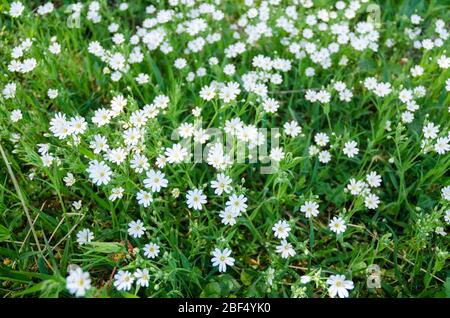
<point>38,224</point>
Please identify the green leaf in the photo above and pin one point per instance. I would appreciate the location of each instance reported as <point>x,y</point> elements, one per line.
<point>4,233</point>
<point>246,278</point>
<point>212,290</point>
<point>104,247</point>
<point>447,287</point>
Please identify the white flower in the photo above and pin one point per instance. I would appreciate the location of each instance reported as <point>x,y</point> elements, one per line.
<point>305,279</point>
<point>132,136</point>
<point>16,8</point>
<point>116,193</point>
<point>371,201</point>
<point>351,149</point>
<point>47,160</point>
<point>99,172</point>
<point>310,208</point>
<point>186,130</point>
<point>221,184</point>
<point>339,286</point>
<point>77,205</point>
<point>101,117</point>
<point>176,154</point>
<point>270,276</point>
<point>139,163</point>
<point>417,71</point>
<point>54,48</point>
<point>144,198</point>
<point>442,145</point>
<point>117,155</point>
<point>222,259</point>
<point>229,69</point>
<point>440,230</point>
<point>155,180</point>
<point>373,179</point>
<point>99,144</point>
<point>276,154</point>
<point>142,78</point>
<point>356,187</point>
<point>281,229</point>
<point>416,19</point>
<point>59,126</point>
<point>270,105</point>
<point>229,92</point>
<point>161,161</point>
<point>445,192</point>
<point>324,156</point>
<point>9,91</point>
<point>292,129</point>
<point>52,93</point>
<point>285,249</point>
<point>447,216</point>
<point>123,280</point>
<point>16,115</point>
<point>195,199</point>
<point>180,63</point>
<point>443,62</point>
<point>237,203</point>
<point>142,277</point>
<point>208,92</point>
<point>430,131</point>
<point>84,236</point>
<point>228,217</point>
<point>78,282</point>
<point>69,179</point>
<point>161,101</point>
<point>337,225</point>
<point>321,139</point>
<point>151,250</point>
<point>136,228</point>
<point>78,125</point>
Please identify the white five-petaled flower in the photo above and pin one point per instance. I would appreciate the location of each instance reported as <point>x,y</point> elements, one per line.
<point>136,228</point>
<point>176,154</point>
<point>276,154</point>
<point>228,217</point>
<point>351,149</point>
<point>221,184</point>
<point>236,203</point>
<point>151,250</point>
<point>337,225</point>
<point>285,249</point>
<point>310,208</point>
<point>292,129</point>
<point>144,198</point>
<point>99,172</point>
<point>321,139</point>
<point>85,236</point>
<point>222,259</point>
<point>373,179</point>
<point>142,277</point>
<point>69,179</point>
<point>123,280</point>
<point>445,193</point>
<point>339,286</point>
<point>116,193</point>
<point>371,201</point>
<point>281,229</point>
<point>15,9</point>
<point>195,199</point>
<point>155,180</point>
<point>78,282</point>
